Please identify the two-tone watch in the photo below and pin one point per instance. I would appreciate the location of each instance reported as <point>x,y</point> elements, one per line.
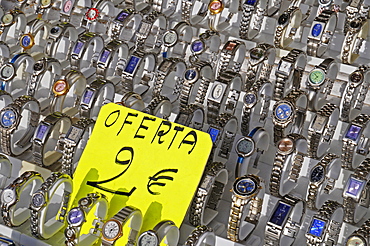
<point>201,236</point>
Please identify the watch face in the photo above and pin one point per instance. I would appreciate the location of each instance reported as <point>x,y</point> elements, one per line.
<point>316,76</point>
<point>217,91</point>
<point>319,123</point>
<point>250,99</point>
<point>356,241</point>
<point>27,41</point>
<point>257,53</point>
<point>7,18</point>
<point>7,71</point>
<point>215,6</point>
<point>317,174</point>
<point>356,77</point>
<point>75,216</point>
<point>355,24</point>
<point>354,187</point>
<point>285,146</point>
<point>317,227</point>
<point>284,66</point>
<point>38,66</point>
<point>213,132</point>
<point>92,14</point>
<point>38,200</point>
<point>86,98</point>
<point>191,74</point>
<point>41,131</point>
<point>283,19</point>
<point>74,133</point>
<point>55,30</point>
<point>8,118</point>
<point>45,2</point>
<point>8,196</point>
<point>78,47</point>
<point>122,16</point>
<point>148,239</point>
<point>111,229</point>
<point>197,46</point>
<point>231,45</point>
<point>245,146</point>
<point>316,30</point>
<point>170,38</point>
<point>245,186</point>
<point>280,214</point>
<point>283,111</point>
<point>67,6</point>
<point>104,56</point>
<point>60,87</point>
<point>132,64</point>
<point>250,2</point>
<point>353,132</point>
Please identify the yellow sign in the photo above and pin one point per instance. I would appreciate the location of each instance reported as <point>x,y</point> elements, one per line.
<point>143,161</point>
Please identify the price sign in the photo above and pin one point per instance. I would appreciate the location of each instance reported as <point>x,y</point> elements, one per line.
<point>143,161</point>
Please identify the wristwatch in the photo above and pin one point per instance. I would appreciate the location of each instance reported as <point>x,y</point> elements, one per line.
<point>192,116</point>
<point>220,14</point>
<point>224,128</point>
<point>321,33</point>
<point>55,190</point>
<point>320,82</point>
<point>203,208</point>
<point>287,26</point>
<point>355,141</point>
<point>112,229</point>
<point>224,95</point>
<point>206,48</point>
<point>5,170</point>
<point>355,93</point>
<point>201,236</point>
<point>95,203</point>
<point>357,33</point>
<point>13,19</point>
<point>97,94</point>
<point>289,73</point>
<point>42,8</point>
<point>250,147</point>
<point>164,232</point>
<point>67,92</point>
<point>46,150</point>
<point>253,12</point>
<point>132,100</point>
<point>285,221</point>
<point>169,78</point>
<point>232,56</point>
<point>256,105</point>
<point>125,25</point>
<point>260,63</point>
<point>15,198</point>
<point>356,193</point>
<point>34,35</point>
<point>355,9</point>
<point>326,224</point>
<point>288,114</point>
<point>321,130</point>
<point>74,142</point>
<point>322,179</point>
<point>101,12</point>
<point>68,6</point>
<point>191,14</point>
<point>159,106</point>
<point>176,40</point>
<point>246,206</point>
<point>18,122</point>
<point>360,237</point>
<point>290,153</point>
<point>112,60</point>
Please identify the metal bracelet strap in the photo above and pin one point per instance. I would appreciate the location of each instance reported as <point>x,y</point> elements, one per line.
<point>364,230</point>
<point>245,21</point>
<point>364,87</point>
<point>296,166</point>
<point>346,48</point>
<point>186,6</point>
<point>227,144</point>
<point>313,44</point>
<point>193,238</point>
<point>154,103</point>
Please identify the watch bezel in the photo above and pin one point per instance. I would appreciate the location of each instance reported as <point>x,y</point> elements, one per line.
<point>17,117</point>
<point>38,207</point>
<point>311,83</point>
<point>119,234</point>
<point>290,117</point>
<point>32,41</point>
<point>149,232</point>
<point>213,88</point>
<point>358,236</point>
<point>291,207</point>
<point>249,194</point>
<point>323,174</point>
<point>13,201</point>
<point>323,230</point>
<point>359,133</point>
<point>11,76</point>
<point>359,192</point>
<point>64,91</point>
<point>196,75</point>
<point>250,152</point>
<point>285,152</point>
<point>199,51</point>
<point>171,43</point>
<point>79,223</point>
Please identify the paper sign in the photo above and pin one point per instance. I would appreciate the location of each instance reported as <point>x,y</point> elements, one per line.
<point>143,161</point>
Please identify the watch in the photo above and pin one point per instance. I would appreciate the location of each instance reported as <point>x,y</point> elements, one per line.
<point>220,14</point>
<point>320,82</point>
<point>321,33</point>
<point>326,224</point>
<point>355,141</point>
<point>95,203</point>
<point>67,92</point>
<point>225,127</point>
<point>97,94</point>
<point>321,130</point>
<point>165,231</point>
<point>360,237</point>
<point>74,142</point>
<point>132,100</point>
<point>112,229</point>
<point>256,105</point>
<point>15,198</point>
<point>14,20</point>
<point>201,236</point>
<point>125,25</point>
<point>287,26</point>
<point>232,56</point>
<point>289,114</point>
<point>56,189</point>
<point>285,221</point>
<point>192,116</point>
<point>206,48</point>
<point>203,208</point>
<point>34,35</point>
<point>322,177</point>
<point>289,157</point>
<point>356,193</point>
<point>176,40</point>
<point>355,93</point>
<point>159,106</point>
<point>191,14</point>
<point>253,12</point>
<point>289,73</point>
<point>247,199</point>
<point>100,12</point>
<point>46,150</point>
<point>18,122</point>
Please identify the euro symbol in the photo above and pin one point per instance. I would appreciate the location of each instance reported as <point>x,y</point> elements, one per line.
<point>156,178</point>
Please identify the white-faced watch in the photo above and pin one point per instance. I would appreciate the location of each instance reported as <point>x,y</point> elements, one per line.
<point>164,232</point>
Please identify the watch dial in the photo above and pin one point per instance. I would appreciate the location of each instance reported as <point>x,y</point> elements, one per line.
<point>75,216</point>
<point>7,71</point>
<point>8,196</point>
<point>250,98</point>
<point>280,214</point>
<point>285,145</point>
<point>356,241</point>
<point>283,19</point>
<point>104,56</point>
<point>92,14</point>
<point>86,98</point>
<point>245,146</point>
<point>284,66</point>
<point>26,41</point>
<point>317,76</point>
<point>231,45</point>
<point>74,133</point>
<point>67,6</point>
<point>250,2</point>
<point>38,66</point>
<point>190,74</point>
<point>132,64</point>
<point>316,30</point>
<point>353,132</point>
<point>45,2</point>
<point>7,18</point>
<point>356,77</point>
<point>283,111</point>
<point>317,174</point>
<point>148,240</point>
<point>60,87</point>
<point>257,53</point>
<point>111,229</point>
<point>317,227</point>
<point>38,200</point>
<point>355,23</point>
<point>78,47</point>
<point>355,186</point>
<point>213,132</point>
<point>245,186</point>
<point>8,118</point>
<point>215,6</point>
<point>55,30</point>
<point>170,38</point>
<point>41,130</point>
<point>217,91</point>
<point>319,123</point>
<point>197,46</point>
<point>122,16</point>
